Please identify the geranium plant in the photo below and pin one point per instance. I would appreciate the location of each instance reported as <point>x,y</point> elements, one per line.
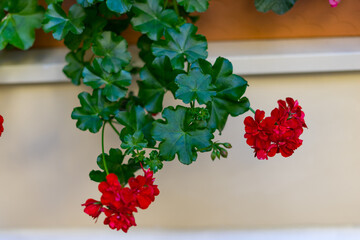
<point>174,57</point>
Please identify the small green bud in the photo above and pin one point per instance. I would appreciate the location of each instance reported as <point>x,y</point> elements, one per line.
<point>218,154</point>
<point>213,155</point>
<point>227,145</point>
<point>224,153</point>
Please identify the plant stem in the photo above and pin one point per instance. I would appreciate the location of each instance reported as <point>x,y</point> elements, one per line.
<point>176,8</point>
<point>92,58</point>
<point>102,149</point>
<point>113,127</point>
<point>165,3</point>
<point>253,111</point>
<point>192,104</point>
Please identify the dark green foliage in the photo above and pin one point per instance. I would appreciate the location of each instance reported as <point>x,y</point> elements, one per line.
<point>229,91</point>
<point>277,6</point>
<point>180,45</point>
<point>194,5</point>
<point>177,138</point>
<point>18,27</point>
<point>93,111</point>
<point>57,21</point>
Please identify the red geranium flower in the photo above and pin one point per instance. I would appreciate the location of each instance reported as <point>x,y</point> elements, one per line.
<point>93,208</point>
<point>1,125</point>
<point>119,203</point>
<point>278,133</point>
<point>144,189</point>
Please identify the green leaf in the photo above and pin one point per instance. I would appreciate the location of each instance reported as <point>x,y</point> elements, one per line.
<point>119,6</point>
<point>194,86</point>
<point>97,176</point>
<point>114,162</point>
<point>277,6</point>
<point>181,44</point>
<point>151,19</point>
<point>177,138</point>
<point>144,44</point>
<point>94,108</point>
<point>53,1</point>
<point>194,5</point>
<point>57,21</point>
<point>133,142</point>
<point>153,162</point>
<point>18,27</point>
<point>114,85</point>
<point>93,25</point>
<point>135,119</point>
<point>75,66</point>
<point>229,88</point>
<point>88,3</point>
<point>156,79</point>
<point>114,50</point>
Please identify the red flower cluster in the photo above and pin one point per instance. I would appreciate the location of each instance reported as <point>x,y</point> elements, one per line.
<point>1,125</point>
<point>119,203</point>
<point>278,133</point>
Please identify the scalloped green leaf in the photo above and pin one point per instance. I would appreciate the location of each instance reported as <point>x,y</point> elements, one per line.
<point>75,66</point>
<point>97,176</point>
<point>94,108</point>
<point>119,6</point>
<point>157,78</point>
<point>93,25</point>
<point>53,1</point>
<point>229,91</point>
<point>194,86</point>
<point>113,49</point>
<point>144,44</point>
<point>134,119</point>
<point>88,3</point>
<point>114,84</point>
<point>151,19</point>
<point>180,45</point>
<point>115,164</point>
<point>277,6</point>
<point>18,26</point>
<point>153,161</point>
<point>177,139</point>
<point>194,5</point>
<point>60,24</point>
<point>134,142</point>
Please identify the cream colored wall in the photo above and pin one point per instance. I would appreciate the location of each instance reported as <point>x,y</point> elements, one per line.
<point>45,160</point>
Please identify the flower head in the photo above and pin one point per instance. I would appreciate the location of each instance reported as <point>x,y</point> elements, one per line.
<point>93,208</point>
<point>119,203</point>
<point>144,189</point>
<point>1,125</point>
<point>334,3</point>
<point>278,133</point>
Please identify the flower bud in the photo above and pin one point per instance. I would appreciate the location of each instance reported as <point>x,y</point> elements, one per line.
<point>227,145</point>
<point>223,153</point>
<point>213,155</point>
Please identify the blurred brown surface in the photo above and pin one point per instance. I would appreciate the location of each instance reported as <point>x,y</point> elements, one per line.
<point>238,19</point>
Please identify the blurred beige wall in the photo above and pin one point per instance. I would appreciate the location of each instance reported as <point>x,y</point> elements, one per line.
<point>45,160</point>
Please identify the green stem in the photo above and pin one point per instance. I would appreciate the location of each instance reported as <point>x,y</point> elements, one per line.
<point>113,127</point>
<point>92,58</point>
<point>176,8</point>
<point>192,104</point>
<point>166,3</point>
<point>153,148</point>
<point>102,149</point>
<point>253,111</point>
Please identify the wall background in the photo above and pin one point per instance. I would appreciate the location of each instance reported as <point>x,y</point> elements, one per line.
<point>45,161</point>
